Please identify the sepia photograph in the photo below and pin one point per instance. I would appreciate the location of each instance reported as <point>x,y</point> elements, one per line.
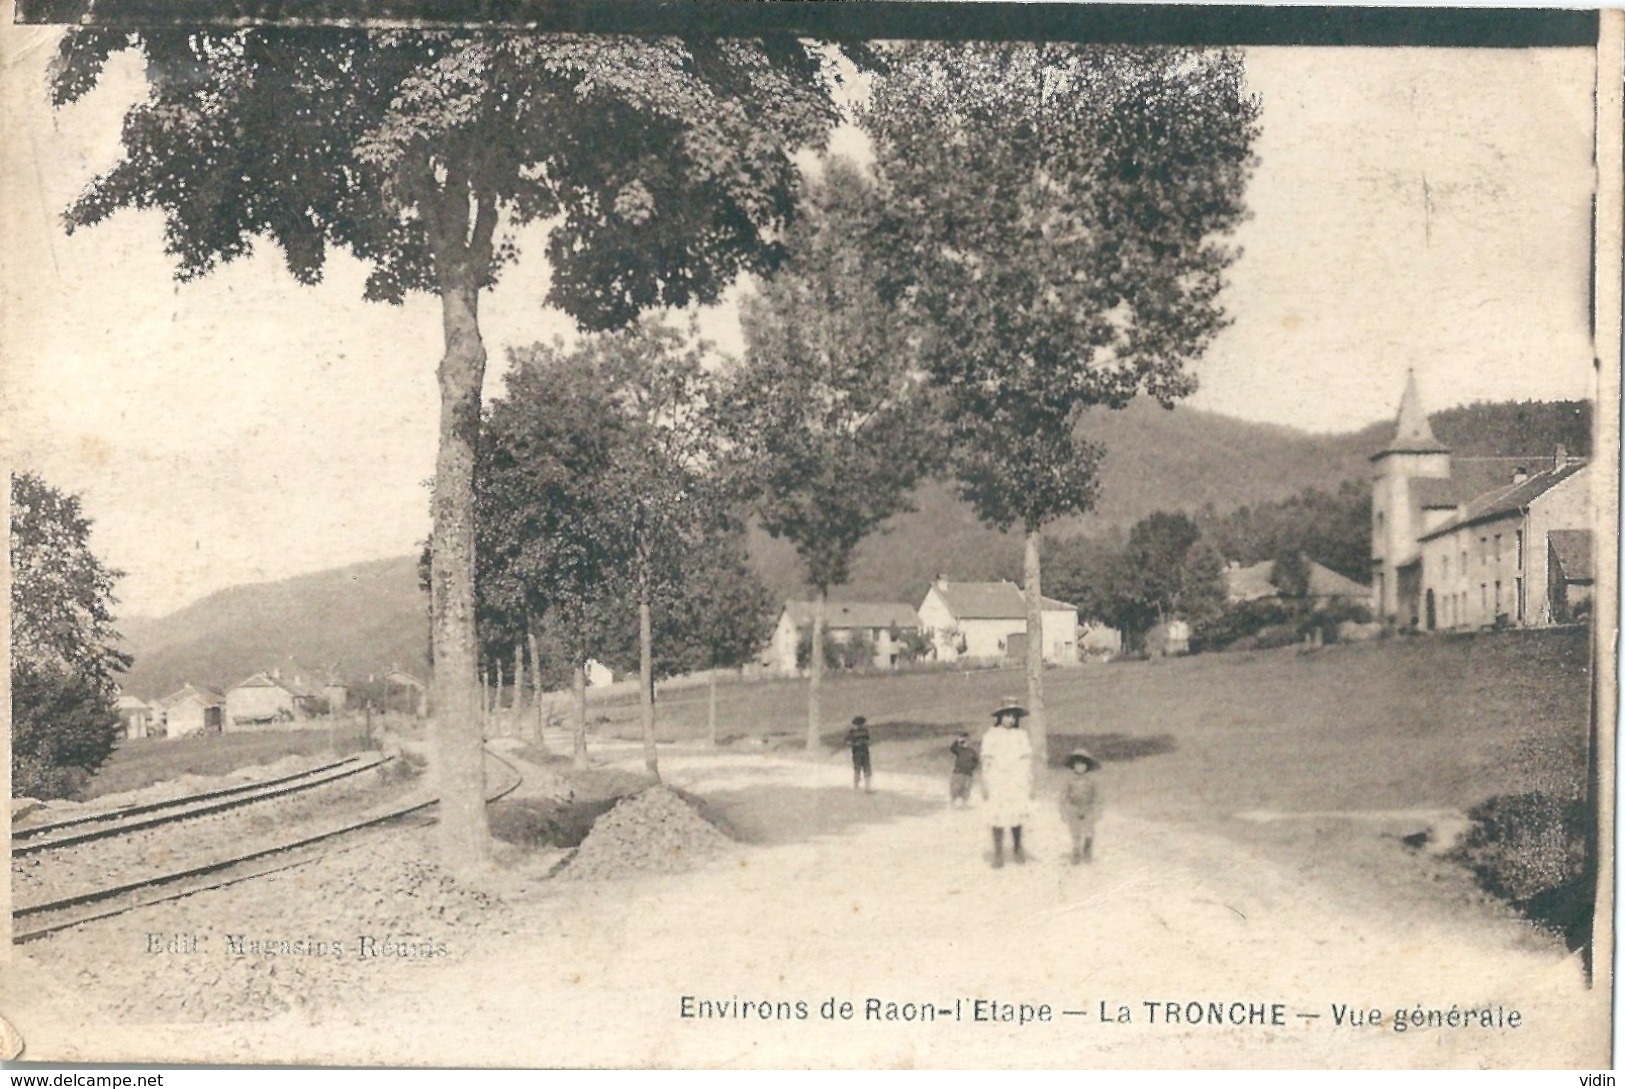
<point>902,540</point>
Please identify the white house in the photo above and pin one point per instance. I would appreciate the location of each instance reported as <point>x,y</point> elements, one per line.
<point>880,622</point>
<point>986,622</point>
<point>192,709</point>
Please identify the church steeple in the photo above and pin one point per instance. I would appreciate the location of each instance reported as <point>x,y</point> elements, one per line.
<point>1412,433</point>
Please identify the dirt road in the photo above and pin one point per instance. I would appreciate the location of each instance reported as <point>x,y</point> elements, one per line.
<point>889,897</point>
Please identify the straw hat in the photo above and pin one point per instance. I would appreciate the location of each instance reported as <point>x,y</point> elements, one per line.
<point>1082,754</point>
<point>859,720</point>
<point>1010,706</point>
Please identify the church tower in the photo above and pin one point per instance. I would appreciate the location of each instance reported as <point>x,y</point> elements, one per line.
<point>1413,455</point>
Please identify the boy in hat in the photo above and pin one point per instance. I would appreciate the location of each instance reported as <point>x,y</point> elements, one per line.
<point>1080,803</point>
<point>857,739</point>
<point>965,764</point>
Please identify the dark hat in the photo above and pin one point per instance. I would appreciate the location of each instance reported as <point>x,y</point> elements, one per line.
<point>1083,755</point>
<point>1010,706</point>
<point>859,720</point>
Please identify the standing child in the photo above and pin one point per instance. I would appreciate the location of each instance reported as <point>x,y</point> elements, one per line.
<point>1080,803</point>
<point>857,739</point>
<point>965,764</point>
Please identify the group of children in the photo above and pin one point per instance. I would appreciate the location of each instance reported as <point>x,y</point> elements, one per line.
<point>1005,765</point>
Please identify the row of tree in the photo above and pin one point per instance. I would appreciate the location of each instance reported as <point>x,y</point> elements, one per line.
<point>1041,232</point>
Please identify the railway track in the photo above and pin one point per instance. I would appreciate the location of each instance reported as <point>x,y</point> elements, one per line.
<point>34,921</point>
<point>89,827</point>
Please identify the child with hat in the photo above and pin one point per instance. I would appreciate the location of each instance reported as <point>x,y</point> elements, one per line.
<point>965,764</point>
<point>1080,803</point>
<point>857,739</point>
<point>1007,778</point>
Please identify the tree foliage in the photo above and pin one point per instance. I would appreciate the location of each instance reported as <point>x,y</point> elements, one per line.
<point>1164,570</point>
<point>1331,528</point>
<point>826,419</point>
<point>64,655</point>
<point>1057,216</point>
<point>663,165</point>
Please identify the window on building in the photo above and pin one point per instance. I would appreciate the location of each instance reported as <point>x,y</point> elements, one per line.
<point>1497,597</point>
<point>1519,584</point>
<point>1446,565</point>
<point>1483,551</point>
<point>1483,597</point>
<point>1520,558</point>
<point>1498,552</point>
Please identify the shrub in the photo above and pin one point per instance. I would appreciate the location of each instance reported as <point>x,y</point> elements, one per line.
<point>62,728</point>
<point>1529,849</point>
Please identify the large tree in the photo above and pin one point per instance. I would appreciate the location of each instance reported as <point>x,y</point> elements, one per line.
<point>826,416</point>
<point>64,652</point>
<point>1058,214</point>
<point>662,169</point>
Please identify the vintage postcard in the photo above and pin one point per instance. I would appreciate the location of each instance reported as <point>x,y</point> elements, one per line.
<point>795,535</point>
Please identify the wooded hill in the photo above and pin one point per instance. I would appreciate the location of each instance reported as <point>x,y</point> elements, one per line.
<point>367,617</point>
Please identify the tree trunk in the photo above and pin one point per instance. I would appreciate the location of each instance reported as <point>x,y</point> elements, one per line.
<point>536,684</point>
<point>711,711</point>
<point>498,726</point>
<point>815,671</point>
<point>1031,571</point>
<point>465,840</point>
<point>646,679</point>
<point>518,688</point>
<point>578,681</point>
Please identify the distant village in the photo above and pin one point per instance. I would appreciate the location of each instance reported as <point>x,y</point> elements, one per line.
<point>1456,545</point>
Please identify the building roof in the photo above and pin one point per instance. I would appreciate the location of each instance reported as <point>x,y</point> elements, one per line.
<point>1253,582</point>
<point>1573,550</point>
<point>1001,600</point>
<point>204,695</point>
<point>856,614</point>
<point>1412,432</point>
<point>1435,494</point>
<point>132,703</point>
<point>1506,499</point>
<point>401,676</point>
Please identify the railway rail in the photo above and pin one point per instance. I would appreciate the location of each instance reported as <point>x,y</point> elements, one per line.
<point>89,827</point>
<point>34,921</point>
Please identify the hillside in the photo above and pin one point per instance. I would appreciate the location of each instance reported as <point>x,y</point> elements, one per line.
<point>360,620</point>
<point>367,617</point>
<point>1155,460</point>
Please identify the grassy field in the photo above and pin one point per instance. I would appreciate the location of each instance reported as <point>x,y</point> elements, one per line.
<point>1437,722</point>
<point>144,761</point>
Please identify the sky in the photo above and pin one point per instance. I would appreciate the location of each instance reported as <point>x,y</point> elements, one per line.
<point>1411,208</point>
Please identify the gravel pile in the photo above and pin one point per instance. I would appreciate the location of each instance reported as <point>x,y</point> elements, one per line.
<point>316,938</point>
<point>654,831</point>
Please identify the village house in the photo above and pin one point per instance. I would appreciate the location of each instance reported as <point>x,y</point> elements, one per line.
<point>283,696</point>
<point>1254,582</point>
<point>1460,550</point>
<point>136,716</point>
<point>405,692</point>
<point>192,709</point>
<point>1569,578</point>
<point>986,623</point>
<point>880,622</point>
